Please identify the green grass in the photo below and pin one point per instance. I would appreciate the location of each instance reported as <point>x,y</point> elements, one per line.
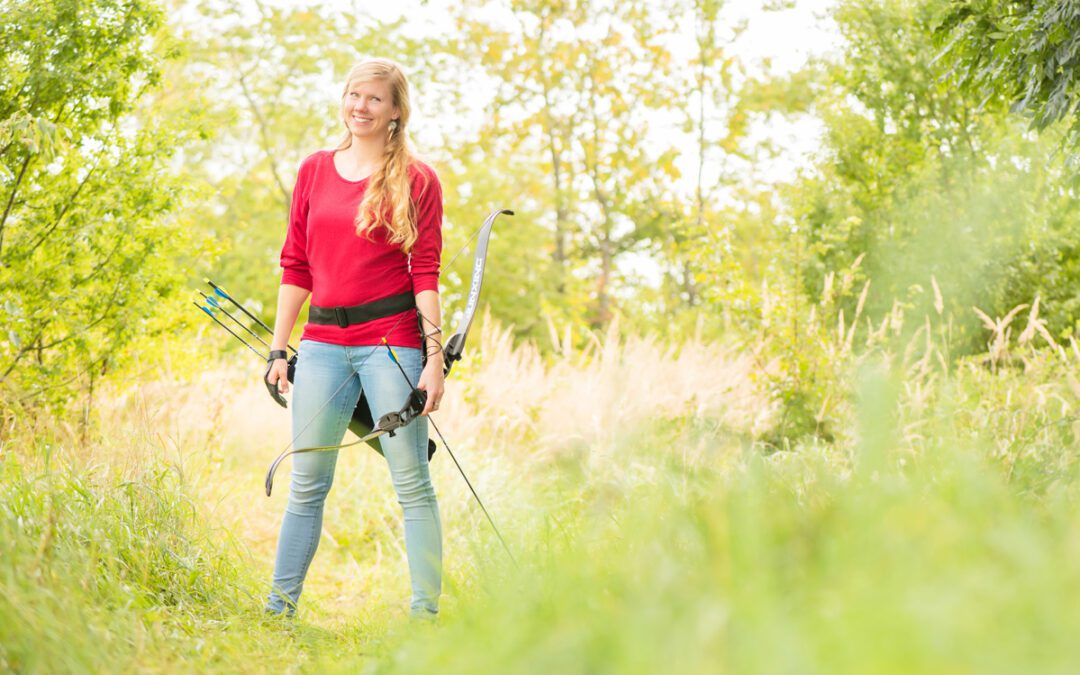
<point>675,546</point>
<point>786,569</point>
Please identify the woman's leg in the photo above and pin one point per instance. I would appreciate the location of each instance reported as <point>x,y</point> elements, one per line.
<point>325,393</point>
<point>406,455</point>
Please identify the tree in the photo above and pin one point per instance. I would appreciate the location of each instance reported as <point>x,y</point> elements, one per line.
<point>918,178</point>
<point>702,260</point>
<point>576,83</point>
<point>915,186</point>
<point>88,242</point>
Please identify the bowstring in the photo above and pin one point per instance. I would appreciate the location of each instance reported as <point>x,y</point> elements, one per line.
<point>449,451</point>
<point>464,246</point>
<point>442,438</point>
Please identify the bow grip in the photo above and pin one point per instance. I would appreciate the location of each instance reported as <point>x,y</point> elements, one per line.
<point>452,351</point>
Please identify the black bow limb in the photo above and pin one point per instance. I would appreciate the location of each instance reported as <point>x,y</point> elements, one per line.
<point>455,346</point>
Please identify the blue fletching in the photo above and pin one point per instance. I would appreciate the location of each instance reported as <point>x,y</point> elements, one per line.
<point>213,301</point>
<point>221,293</point>
<point>208,313</point>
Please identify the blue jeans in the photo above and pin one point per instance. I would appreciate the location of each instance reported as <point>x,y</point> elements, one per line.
<point>320,370</point>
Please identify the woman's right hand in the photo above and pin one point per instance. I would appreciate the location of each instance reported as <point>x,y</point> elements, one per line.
<point>276,376</point>
<point>278,373</point>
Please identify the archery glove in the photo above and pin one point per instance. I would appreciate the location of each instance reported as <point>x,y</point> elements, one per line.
<point>273,387</point>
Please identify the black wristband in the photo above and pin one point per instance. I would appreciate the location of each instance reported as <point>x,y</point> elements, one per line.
<point>277,354</point>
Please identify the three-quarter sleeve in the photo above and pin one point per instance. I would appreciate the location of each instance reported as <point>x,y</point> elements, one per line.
<point>294,259</point>
<point>427,251</point>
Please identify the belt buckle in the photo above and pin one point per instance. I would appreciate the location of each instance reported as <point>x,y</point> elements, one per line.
<point>342,317</point>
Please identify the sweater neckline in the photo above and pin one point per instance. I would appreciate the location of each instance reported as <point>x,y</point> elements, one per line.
<point>343,179</point>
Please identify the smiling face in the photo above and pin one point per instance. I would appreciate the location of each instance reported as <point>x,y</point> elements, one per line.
<point>368,108</point>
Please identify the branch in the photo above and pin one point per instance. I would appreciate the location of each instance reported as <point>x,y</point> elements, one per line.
<point>63,212</point>
<point>109,305</point>
<point>22,172</point>
<point>99,267</point>
<point>22,352</point>
<point>57,385</point>
<point>11,199</point>
<point>265,138</point>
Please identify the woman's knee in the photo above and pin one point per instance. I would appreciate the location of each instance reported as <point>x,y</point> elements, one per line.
<point>307,492</point>
<point>414,488</point>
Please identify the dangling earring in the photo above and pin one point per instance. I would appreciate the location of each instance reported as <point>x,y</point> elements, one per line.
<point>393,127</point>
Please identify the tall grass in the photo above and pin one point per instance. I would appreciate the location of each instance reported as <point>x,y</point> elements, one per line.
<point>656,523</point>
<point>101,568</point>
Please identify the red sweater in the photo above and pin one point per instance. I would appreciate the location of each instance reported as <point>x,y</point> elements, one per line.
<point>323,254</point>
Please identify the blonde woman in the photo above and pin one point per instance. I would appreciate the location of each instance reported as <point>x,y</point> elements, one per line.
<point>364,241</point>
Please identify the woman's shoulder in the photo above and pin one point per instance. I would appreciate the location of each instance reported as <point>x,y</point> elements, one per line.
<point>314,159</point>
<point>305,173</point>
<point>423,171</point>
<point>310,168</point>
<point>422,177</point>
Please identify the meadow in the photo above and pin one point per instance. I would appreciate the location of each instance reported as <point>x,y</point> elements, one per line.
<point>652,527</point>
<point>778,369</point>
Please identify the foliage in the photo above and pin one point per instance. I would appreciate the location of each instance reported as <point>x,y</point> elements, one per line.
<point>1025,54</point>
<point>873,470</point>
<point>98,569</point>
<point>577,88</point>
<point>919,182</point>
<point>89,245</point>
<point>784,566</point>
<point>519,267</point>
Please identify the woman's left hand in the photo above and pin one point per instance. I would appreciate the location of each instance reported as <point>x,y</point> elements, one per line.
<point>433,383</point>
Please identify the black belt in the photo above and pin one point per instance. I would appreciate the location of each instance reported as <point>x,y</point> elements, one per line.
<point>348,316</point>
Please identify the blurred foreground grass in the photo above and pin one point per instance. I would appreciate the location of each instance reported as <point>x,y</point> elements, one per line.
<point>938,531</point>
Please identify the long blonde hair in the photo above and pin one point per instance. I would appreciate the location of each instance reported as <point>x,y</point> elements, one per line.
<point>389,191</point>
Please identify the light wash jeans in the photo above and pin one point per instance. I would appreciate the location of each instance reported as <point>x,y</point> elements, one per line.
<point>320,369</point>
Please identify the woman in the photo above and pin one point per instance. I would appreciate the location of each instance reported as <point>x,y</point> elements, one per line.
<point>364,240</point>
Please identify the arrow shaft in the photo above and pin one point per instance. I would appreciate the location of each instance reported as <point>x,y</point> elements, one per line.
<point>242,340</point>
<point>238,322</point>
<point>225,294</point>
